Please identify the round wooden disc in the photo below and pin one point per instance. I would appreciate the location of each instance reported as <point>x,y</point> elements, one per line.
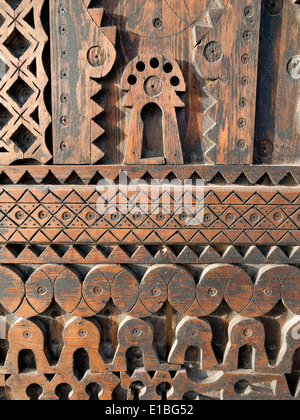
<point>182,290</point>
<point>67,289</point>
<point>267,290</point>
<point>291,290</point>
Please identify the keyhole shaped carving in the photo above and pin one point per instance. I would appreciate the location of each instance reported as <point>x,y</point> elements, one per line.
<point>152,117</point>
<point>152,83</point>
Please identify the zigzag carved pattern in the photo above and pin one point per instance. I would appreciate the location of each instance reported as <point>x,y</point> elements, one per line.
<point>214,11</point>
<point>227,127</point>
<point>149,254</point>
<point>217,174</point>
<point>97,45</point>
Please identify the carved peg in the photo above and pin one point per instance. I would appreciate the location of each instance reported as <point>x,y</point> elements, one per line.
<point>246,346</point>
<point>152,83</point>
<point>27,349</point>
<point>135,333</point>
<point>81,334</point>
<point>194,334</point>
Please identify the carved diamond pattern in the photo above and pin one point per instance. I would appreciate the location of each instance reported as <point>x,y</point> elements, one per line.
<point>24,118</point>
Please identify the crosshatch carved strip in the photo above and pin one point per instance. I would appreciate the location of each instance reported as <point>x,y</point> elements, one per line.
<point>223,215</point>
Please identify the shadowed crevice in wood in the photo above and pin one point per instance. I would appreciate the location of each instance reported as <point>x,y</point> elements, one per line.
<point>27,361</point>
<point>134,359</point>
<point>246,355</point>
<point>153,140</point>
<point>81,363</point>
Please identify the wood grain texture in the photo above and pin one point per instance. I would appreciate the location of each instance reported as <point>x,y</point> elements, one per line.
<point>183,32</point>
<point>236,348</point>
<point>141,296</point>
<point>267,175</point>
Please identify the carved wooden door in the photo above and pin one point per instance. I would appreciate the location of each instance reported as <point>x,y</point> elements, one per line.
<point>149,200</point>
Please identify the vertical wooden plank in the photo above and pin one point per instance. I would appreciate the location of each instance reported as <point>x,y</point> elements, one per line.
<point>227,59</point>
<point>277,119</point>
<point>80,52</point>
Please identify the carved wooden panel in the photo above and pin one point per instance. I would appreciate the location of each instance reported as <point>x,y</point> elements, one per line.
<point>149,200</point>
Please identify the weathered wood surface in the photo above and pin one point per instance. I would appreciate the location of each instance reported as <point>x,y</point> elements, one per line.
<point>145,305</point>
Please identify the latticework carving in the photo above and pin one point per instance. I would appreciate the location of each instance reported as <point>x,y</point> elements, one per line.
<point>24,117</point>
